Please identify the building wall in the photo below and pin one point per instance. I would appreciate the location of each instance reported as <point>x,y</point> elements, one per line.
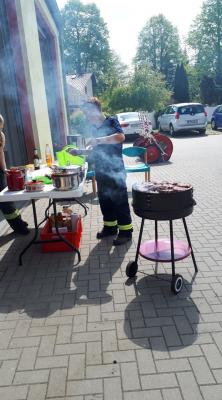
<point>59,81</point>
<point>78,94</point>
<point>28,30</point>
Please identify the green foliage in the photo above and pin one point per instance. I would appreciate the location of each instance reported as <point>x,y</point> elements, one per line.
<point>86,47</point>
<point>146,91</point>
<point>115,76</point>
<point>159,47</point>
<point>78,123</point>
<point>211,92</point>
<point>119,100</point>
<point>205,38</point>
<point>194,79</point>
<point>181,86</point>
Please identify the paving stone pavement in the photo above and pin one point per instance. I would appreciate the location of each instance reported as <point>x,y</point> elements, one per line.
<point>88,333</point>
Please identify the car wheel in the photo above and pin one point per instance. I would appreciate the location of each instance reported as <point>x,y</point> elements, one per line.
<point>172,131</point>
<point>213,125</point>
<point>202,131</point>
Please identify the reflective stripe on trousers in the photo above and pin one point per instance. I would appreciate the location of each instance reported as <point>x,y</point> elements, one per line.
<point>12,215</point>
<point>110,224</point>
<point>125,227</point>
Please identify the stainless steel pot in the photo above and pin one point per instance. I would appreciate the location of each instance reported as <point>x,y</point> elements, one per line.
<point>66,169</point>
<point>65,180</point>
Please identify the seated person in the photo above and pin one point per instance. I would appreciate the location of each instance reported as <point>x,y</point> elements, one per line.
<point>11,213</point>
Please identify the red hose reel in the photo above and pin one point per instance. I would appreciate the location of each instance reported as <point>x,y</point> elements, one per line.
<point>159,147</point>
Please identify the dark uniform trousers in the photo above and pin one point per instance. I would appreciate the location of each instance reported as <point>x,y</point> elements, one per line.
<point>113,200</point>
<point>9,210</point>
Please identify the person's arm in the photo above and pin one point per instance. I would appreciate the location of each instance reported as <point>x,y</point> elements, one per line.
<point>112,139</point>
<point>2,155</point>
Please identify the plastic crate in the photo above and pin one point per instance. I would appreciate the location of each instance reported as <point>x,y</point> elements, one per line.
<point>72,237</point>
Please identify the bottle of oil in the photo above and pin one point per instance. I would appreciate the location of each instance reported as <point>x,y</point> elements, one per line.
<point>48,156</point>
<point>36,159</point>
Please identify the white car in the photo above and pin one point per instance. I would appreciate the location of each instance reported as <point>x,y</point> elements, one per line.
<point>183,117</point>
<point>130,123</point>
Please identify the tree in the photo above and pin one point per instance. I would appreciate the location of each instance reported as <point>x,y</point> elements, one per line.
<point>159,47</point>
<point>86,47</point>
<point>116,75</point>
<point>119,100</point>
<point>181,86</point>
<point>194,82</point>
<point>205,38</point>
<point>208,90</point>
<point>146,91</point>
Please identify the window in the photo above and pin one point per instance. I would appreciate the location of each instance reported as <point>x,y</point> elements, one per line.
<point>219,109</point>
<point>191,110</point>
<point>167,111</point>
<point>171,110</point>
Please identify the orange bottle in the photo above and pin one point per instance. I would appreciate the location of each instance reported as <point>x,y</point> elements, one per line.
<point>48,156</point>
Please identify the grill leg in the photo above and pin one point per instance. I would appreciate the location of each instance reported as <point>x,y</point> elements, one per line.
<point>189,242</point>
<point>139,240</point>
<point>156,244</point>
<point>156,232</point>
<point>172,248</point>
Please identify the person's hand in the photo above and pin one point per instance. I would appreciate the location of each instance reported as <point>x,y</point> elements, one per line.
<point>92,143</point>
<point>73,152</point>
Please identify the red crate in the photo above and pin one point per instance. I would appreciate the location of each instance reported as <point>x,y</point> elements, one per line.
<point>72,237</point>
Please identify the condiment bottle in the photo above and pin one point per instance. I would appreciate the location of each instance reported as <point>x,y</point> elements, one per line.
<point>48,156</point>
<point>36,161</point>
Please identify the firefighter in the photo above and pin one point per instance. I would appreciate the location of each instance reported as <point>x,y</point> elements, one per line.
<point>106,143</point>
<point>11,213</point>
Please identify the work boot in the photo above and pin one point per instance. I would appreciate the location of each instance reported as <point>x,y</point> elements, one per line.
<point>123,237</point>
<point>19,226</point>
<point>107,231</point>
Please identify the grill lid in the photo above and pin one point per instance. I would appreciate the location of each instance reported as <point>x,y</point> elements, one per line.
<point>161,187</point>
<point>162,200</point>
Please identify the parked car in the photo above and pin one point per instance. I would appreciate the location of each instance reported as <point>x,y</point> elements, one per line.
<point>216,120</point>
<point>183,117</point>
<point>130,123</point>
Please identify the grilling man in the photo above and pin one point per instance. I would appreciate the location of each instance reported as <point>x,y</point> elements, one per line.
<point>110,173</point>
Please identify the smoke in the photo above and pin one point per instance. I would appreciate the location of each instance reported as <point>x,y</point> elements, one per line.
<point>16,95</point>
<point>9,99</point>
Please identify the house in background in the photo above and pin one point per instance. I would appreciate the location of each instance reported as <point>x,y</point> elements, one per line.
<point>32,95</point>
<point>79,89</point>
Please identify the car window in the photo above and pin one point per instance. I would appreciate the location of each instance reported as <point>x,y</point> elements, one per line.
<point>198,108</point>
<point>167,111</point>
<point>219,109</point>
<point>190,110</point>
<point>171,110</point>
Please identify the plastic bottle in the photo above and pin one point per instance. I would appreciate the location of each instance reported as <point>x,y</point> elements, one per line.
<point>74,221</point>
<point>36,160</point>
<point>48,156</point>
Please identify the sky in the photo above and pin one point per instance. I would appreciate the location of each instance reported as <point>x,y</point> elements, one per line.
<point>126,18</point>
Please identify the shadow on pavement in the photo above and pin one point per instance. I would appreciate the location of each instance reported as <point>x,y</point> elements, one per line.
<point>157,319</point>
<point>48,283</point>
